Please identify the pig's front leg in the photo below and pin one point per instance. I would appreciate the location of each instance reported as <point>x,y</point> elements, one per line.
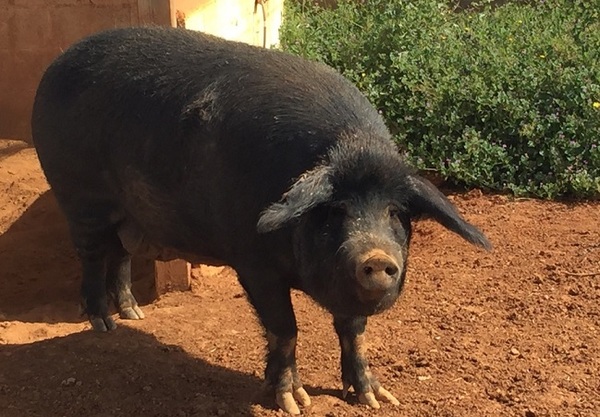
<point>273,304</point>
<point>355,368</point>
<point>281,373</point>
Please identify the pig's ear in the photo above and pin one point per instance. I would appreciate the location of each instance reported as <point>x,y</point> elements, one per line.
<point>311,189</point>
<point>427,201</point>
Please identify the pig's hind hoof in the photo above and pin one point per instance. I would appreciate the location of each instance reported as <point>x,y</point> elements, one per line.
<point>287,400</point>
<point>131,313</point>
<point>102,324</point>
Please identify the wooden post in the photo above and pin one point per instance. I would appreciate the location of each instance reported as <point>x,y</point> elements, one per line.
<point>172,276</point>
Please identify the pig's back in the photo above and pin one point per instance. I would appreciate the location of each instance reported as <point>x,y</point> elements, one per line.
<point>151,119</point>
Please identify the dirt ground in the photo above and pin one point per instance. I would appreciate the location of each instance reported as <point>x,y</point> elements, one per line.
<point>514,332</point>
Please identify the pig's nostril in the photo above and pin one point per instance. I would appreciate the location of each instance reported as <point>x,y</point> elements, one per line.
<point>377,268</point>
<point>391,270</point>
<point>377,275</point>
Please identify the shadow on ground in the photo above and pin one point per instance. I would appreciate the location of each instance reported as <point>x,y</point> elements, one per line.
<point>123,373</point>
<point>39,270</point>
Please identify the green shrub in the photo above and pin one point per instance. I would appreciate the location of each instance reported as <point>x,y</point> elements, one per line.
<point>504,98</point>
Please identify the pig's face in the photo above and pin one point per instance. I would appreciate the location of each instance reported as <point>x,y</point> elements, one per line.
<point>351,218</point>
<point>352,253</point>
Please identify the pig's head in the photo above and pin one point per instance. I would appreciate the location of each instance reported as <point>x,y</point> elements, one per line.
<point>351,218</point>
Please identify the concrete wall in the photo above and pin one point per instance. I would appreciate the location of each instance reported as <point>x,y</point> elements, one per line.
<point>34,32</point>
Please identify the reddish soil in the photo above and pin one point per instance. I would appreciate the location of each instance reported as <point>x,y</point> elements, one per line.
<point>514,332</point>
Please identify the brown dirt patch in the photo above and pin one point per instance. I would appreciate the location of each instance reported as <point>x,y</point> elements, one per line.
<point>514,332</point>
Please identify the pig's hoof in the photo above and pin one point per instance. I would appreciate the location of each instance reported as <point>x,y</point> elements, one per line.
<point>370,397</point>
<point>102,324</point>
<point>287,400</point>
<point>131,313</point>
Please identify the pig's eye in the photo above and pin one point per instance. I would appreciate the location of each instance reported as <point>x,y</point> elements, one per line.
<point>394,213</point>
<point>338,209</point>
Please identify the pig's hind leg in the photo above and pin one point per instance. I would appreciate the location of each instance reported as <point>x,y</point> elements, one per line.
<point>118,281</point>
<point>93,234</point>
<point>106,266</point>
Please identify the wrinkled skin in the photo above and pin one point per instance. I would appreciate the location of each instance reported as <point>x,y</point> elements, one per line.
<point>169,143</point>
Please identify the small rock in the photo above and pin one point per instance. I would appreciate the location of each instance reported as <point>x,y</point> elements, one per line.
<point>421,363</point>
<point>530,413</point>
<point>500,396</point>
<point>209,270</point>
<point>147,388</point>
<point>399,366</point>
<point>515,352</point>
<point>68,382</point>
<point>513,316</point>
<point>423,377</point>
<point>574,292</point>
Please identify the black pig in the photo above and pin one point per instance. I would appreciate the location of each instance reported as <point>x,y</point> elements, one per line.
<point>178,144</point>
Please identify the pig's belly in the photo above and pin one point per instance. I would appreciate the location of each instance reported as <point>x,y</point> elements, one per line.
<point>135,242</point>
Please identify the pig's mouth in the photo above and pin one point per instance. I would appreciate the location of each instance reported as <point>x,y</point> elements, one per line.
<point>355,284</point>
<point>363,284</point>
<point>342,296</point>
<point>377,279</point>
<point>369,307</point>
<point>350,299</point>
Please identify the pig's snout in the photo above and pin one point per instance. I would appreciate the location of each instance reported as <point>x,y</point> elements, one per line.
<point>376,273</point>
